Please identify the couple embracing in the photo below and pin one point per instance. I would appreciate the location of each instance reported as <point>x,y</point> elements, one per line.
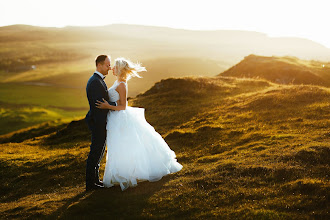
<point>135,151</point>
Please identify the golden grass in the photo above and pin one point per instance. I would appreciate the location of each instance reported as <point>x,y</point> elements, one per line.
<point>283,70</point>
<point>250,149</point>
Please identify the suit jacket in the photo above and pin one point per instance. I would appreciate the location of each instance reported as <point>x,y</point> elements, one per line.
<point>96,89</point>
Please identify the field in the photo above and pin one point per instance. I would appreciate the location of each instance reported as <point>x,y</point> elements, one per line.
<point>251,149</point>
<point>37,61</point>
<point>25,105</point>
<point>57,90</point>
<point>251,131</point>
<point>44,71</point>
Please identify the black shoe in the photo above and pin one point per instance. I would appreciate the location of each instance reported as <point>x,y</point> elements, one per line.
<point>94,187</point>
<point>100,183</point>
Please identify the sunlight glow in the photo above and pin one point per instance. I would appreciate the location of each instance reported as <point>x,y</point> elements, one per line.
<point>292,18</point>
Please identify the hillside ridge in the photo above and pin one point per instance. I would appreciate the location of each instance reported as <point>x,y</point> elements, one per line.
<point>282,70</point>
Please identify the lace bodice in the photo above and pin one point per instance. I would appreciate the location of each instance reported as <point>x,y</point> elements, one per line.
<point>113,94</point>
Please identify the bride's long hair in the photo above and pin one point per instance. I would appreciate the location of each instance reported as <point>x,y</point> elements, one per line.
<point>126,69</point>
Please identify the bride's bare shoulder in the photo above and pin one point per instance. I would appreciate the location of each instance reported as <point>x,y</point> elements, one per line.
<point>121,87</point>
<point>122,83</point>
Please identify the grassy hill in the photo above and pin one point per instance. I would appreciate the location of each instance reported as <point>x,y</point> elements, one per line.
<point>43,70</point>
<point>284,70</point>
<point>250,149</point>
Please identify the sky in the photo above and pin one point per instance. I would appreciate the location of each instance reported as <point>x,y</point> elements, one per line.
<point>277,18</point>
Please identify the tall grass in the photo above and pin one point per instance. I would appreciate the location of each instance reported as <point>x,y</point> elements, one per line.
<point>250,149</point>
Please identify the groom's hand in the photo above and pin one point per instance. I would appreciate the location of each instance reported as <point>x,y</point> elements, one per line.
<point>102,105</point>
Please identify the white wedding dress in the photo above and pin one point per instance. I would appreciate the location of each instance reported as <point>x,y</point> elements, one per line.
<point>135,151</point>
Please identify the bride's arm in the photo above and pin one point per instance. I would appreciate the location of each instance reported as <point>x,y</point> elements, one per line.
<point>121,104</point>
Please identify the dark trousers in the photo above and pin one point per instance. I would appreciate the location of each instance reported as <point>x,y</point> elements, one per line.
<point>95,155</point>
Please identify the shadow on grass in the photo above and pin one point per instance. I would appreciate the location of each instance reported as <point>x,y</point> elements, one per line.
<point>110,202</point>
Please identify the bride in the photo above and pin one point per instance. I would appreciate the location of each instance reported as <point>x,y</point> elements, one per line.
<point>135,151</point>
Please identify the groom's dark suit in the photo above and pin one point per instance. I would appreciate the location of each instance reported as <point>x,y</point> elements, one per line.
<point>96,118</point>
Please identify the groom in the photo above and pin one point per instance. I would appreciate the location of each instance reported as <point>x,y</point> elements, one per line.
<point>96,120</point>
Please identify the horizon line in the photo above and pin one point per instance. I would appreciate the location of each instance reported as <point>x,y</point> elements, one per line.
<point>174,28</point>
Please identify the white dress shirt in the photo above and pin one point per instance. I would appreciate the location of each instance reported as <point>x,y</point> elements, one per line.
<point>100,74</point>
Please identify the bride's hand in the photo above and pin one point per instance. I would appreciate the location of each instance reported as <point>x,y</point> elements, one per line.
<point>102,105</point>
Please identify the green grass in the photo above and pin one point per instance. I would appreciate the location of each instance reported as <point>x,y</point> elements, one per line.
<point>250,149</point>
<point>26,105</point>
<point>13,119</point>
<point>44,96</point>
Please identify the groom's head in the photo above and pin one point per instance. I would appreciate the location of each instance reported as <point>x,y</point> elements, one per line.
<point>103,64</point>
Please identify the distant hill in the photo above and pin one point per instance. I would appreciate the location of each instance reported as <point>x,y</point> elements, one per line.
<point>250,149</point>
<point>55,56</point>
<point>145,42</point>
<point>283,70</point>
